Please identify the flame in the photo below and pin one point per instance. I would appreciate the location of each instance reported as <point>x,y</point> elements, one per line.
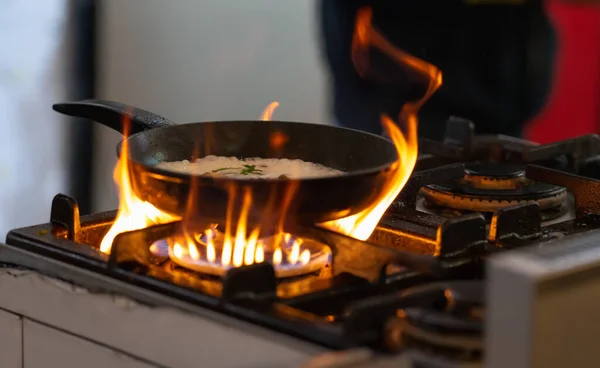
<point>238,242</point>
<point>133,213</point>
<point>361,225</point>
<point>243,250</point>
<point>277,140</point>
<point>238,247</point>
<point>269,110</point>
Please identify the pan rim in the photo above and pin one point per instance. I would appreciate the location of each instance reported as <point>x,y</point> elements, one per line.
<point>223,179</point>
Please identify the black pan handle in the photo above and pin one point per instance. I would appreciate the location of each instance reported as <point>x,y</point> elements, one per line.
<point>111,114</point>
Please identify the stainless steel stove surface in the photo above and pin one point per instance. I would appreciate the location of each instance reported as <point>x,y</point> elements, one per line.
<point>414,293</point>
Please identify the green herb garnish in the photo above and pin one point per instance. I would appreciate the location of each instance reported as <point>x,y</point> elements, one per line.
<point>246,170</point>
<point>251,169</point>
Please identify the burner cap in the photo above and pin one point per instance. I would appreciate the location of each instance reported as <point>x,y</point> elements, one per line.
<point>495,170</point>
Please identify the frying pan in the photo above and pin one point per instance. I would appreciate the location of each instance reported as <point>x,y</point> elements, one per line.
<point>365,158</point>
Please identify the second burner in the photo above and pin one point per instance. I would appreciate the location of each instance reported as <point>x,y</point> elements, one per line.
<point>487,187</point>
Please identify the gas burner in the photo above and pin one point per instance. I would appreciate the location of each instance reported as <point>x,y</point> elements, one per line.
<point>456,337</point>
<point>448,320</point>
<point>488,187</point>
<point>213,253</point>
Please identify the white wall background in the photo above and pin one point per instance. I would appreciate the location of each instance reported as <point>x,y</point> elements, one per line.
<point>194,60</point>
<point>34,70</point>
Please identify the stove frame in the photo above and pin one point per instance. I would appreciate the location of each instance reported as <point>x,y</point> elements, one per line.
<point>251,293</point>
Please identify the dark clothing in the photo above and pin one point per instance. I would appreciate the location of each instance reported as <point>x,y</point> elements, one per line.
<point>496,61</point>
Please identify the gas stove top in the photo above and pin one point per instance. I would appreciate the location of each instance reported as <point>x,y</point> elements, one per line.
<point>417,284</point>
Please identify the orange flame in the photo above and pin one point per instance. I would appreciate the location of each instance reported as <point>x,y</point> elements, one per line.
<point>277,140</point>
<point>237,248</point>
<point>240,246</point>
<point>361,225</point>
<point>133,213</point>
<point>269,110</point>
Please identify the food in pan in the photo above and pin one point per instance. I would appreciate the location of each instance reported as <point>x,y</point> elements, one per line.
<point>250,168</point>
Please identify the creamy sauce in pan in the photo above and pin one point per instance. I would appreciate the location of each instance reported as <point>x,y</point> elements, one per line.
<point>250,168</point>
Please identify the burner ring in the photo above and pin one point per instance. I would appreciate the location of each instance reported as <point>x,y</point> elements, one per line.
<point>486,203</point>
<point>284,263</point>
<point>317,262</point>
<point>453,344</point>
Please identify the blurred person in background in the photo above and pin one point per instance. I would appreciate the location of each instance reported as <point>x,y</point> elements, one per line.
<point>496,58</point>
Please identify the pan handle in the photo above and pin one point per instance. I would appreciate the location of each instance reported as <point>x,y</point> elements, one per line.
<point>111,114</point>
